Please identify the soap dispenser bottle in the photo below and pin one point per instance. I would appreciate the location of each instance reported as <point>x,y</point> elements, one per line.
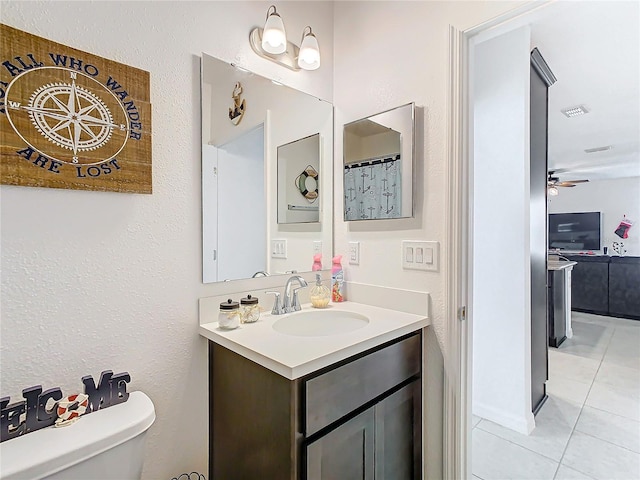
<point>319,294</point>
<point>337,280</point>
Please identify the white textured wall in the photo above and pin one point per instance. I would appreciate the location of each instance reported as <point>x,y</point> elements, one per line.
<point>501,307</point>
<point>381,68</point>
<point>389,54</point>
<point>94,281</point>
<point>614,198</point>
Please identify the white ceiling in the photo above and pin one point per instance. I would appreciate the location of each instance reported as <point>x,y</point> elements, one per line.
<point>593,48</point>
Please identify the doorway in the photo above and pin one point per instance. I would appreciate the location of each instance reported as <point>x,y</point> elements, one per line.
<point>460,286</point>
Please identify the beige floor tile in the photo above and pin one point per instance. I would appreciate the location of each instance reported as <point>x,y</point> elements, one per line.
<point>579,369</point>
<point>601,460</point>
<point>554,425</point>
<point>567,473</point>
<point>619,401</point>
<point>494,458</point>
<point>589,340</point>
<point>567,389</point>
<point>618,376</point>
<point>620,431</point>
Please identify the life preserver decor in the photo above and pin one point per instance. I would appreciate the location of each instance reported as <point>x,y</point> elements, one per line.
<point>71,119</point>
<point>310,192</point>
<point>42,409</point>
<point>70,408</point>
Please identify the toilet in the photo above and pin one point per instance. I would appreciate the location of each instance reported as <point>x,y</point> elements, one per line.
<point>107,444</point>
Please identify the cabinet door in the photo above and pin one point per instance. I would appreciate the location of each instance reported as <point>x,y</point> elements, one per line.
<point>346,453</point>
<point>398,434</point>
<point>590,287</point>
<point>624,287</point>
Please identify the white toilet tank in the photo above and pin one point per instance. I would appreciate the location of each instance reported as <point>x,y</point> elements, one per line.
<point>107,444</point>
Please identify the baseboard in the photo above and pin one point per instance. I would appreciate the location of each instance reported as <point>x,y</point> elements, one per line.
<point>524,424</point>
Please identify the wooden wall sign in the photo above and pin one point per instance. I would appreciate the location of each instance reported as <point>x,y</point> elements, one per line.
<point>71,119</point>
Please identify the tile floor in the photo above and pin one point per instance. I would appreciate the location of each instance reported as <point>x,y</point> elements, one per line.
<point>589,428</point>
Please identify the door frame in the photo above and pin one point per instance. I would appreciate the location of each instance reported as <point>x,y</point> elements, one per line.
<point>458,281</point>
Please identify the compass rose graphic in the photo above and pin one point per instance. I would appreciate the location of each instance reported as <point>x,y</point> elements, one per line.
<point>75,120</point>
<point>81,123</point>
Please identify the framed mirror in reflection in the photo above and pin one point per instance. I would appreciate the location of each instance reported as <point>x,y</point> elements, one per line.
<point>265,147</point>
<point>299,181</point>
<point>379,165</point>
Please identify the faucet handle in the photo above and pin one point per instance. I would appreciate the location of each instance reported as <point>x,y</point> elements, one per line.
<point>295,303</point>
<point>277,308</point>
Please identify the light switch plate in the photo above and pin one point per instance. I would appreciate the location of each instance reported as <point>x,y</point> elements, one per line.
<point>279,248</point>
<point>354,253</point>
<point>418,255</point>
<point>317,247</point>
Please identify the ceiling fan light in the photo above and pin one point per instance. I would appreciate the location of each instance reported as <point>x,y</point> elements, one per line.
<point>553,191</point>
<point>274,37</point>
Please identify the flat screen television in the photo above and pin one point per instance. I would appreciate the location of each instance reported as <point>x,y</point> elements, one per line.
<point>574,231</point>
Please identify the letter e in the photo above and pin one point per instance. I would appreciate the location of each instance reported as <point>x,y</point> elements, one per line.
<point>10,425</point>
<point>119,388</point>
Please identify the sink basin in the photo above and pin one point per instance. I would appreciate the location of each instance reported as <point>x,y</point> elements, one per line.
<point>320,323</point>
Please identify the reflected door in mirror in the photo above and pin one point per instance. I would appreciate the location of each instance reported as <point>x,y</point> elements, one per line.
<point>235,173</point>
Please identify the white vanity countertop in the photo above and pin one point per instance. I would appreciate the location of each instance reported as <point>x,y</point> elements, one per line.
<point>295,356</point>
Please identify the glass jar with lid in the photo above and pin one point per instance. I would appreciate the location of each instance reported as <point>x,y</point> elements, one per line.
<point>229,315</point>
<point>249,309</point>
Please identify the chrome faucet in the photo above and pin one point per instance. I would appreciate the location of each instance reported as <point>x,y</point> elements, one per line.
<point>291,302</point>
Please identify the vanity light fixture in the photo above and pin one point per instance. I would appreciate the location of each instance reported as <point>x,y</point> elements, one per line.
<point>309,56</point>
<point>274,37</point>
<point>271,43</point>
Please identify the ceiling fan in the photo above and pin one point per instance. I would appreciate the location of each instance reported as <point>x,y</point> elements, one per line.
<point>554,182</point>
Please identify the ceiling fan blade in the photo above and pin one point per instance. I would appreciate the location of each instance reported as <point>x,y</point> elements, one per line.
<point>575,181</point>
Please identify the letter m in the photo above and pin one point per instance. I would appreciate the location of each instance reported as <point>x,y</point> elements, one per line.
<point>100,396</point>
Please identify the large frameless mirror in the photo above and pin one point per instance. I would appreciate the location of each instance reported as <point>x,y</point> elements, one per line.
<point>254,131</point>
<point>379,165</point>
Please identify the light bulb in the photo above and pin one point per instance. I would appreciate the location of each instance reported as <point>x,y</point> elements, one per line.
<point>274,37</point>
<point>309,56</point>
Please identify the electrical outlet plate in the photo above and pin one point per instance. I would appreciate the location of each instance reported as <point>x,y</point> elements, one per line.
<point>317,247</point>
<point>354,253</point>
<point>420,255</point>
<point>279,248</point>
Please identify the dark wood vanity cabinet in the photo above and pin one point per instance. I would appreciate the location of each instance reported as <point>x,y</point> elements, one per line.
<point>357,419</point>
<point>382,437</point>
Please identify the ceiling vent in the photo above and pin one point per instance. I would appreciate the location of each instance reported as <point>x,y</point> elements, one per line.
<point>575,111</point>
<point>598,149</point>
